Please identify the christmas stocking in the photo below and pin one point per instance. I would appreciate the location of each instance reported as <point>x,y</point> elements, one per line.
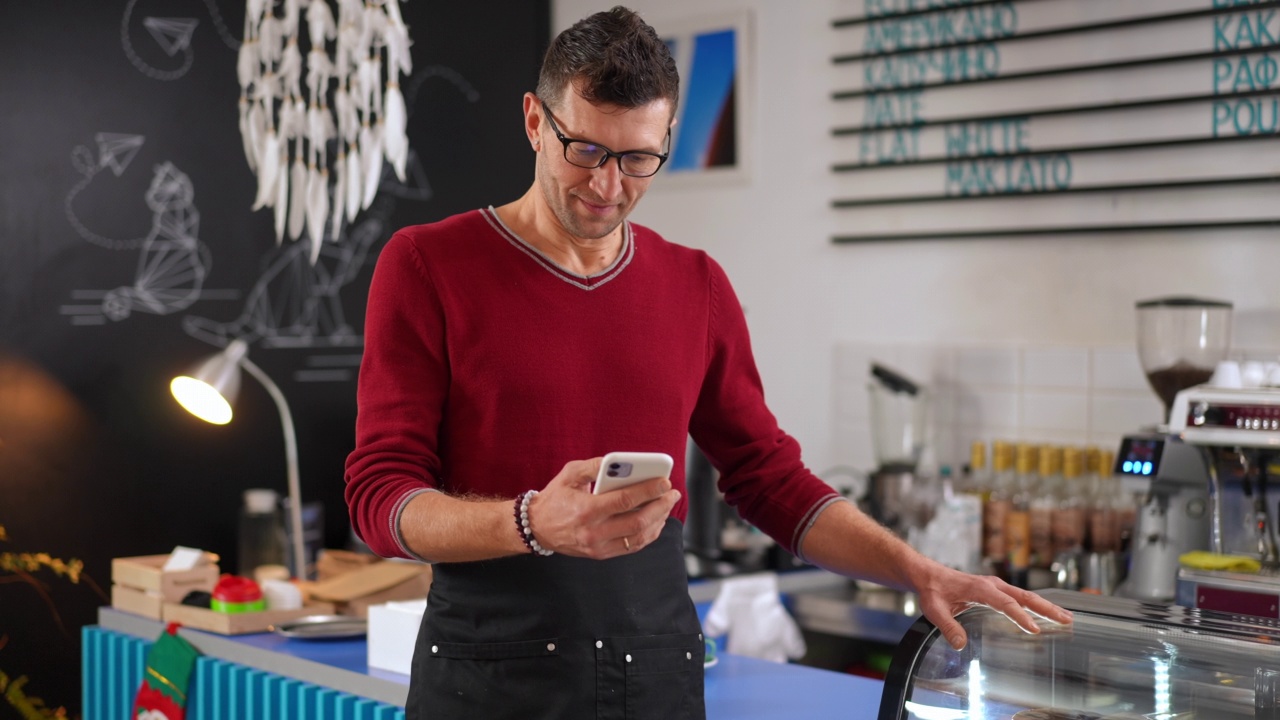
<point>163,694</point>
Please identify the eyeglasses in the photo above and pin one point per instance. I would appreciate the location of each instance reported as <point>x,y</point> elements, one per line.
<point>589,155</point>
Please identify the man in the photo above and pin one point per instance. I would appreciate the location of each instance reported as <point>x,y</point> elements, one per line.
<point>508,349</point>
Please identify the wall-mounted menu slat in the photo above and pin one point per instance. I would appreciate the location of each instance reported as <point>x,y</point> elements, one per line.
<point>967,26</point>
<point>1205,203</point>
<point>1032,13</point>
<point>1064,230</point>
<point>1161,106</point>
<point>949,101</point>
<point>992,142</point>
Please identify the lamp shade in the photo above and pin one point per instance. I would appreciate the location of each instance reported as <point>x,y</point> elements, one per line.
<point>209,391</point>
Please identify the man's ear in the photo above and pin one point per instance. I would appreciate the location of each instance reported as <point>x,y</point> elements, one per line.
<point>532,119</point>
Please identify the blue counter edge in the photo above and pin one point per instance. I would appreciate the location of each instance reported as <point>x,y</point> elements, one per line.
<point>736,687</point>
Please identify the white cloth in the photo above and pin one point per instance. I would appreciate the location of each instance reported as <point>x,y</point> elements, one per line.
<point>750,610</point>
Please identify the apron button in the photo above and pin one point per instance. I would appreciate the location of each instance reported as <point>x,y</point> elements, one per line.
<point>551,647</point>
<point>435,648</point>
<point>628,657</point>
<point>688,656</point>
<point>699,636</point>
<point>599,644</point>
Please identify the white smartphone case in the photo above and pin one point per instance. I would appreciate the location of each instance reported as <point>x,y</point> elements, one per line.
<point>620,469</point>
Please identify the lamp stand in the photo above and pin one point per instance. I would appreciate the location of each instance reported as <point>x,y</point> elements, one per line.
<point>291,465</point>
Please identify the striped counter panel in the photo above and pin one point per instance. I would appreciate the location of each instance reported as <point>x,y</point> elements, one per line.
<point>112,671</point>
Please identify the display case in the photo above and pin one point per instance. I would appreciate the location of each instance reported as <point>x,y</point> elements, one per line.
<point>1120,659</point>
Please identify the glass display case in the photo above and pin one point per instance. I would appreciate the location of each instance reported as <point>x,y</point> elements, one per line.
<point>1121,659</point>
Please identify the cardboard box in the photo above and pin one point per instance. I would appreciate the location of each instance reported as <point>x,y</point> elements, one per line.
<point>393,631</point>
<point>384,581</point>
<point>237,623</point>
<point>140,584</point>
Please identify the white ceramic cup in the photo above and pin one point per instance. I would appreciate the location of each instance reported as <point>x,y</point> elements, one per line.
<point>1227,375</point>
<point>1253,374</point>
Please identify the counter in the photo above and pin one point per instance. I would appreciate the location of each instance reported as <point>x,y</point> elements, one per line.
<point>247,677</point>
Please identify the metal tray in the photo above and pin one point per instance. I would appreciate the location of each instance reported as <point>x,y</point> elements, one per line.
<point>323,627</point>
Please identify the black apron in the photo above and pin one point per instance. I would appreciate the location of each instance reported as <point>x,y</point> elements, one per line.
<point>561,637</point>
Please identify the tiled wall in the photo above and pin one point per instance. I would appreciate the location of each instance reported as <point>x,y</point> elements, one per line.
<point>1062,395</point>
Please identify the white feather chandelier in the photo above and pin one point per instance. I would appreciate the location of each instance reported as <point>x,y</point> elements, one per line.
<point>316,128</point>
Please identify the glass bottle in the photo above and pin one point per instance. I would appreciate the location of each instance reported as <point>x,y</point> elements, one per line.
<point>261,537</point>
<point>1017,526</point>
<point>1071,503</point>
<point>996,509</point>
<point>978,480</point>
<point>1104,523</point>
<point>1043,500</point>
<point>1124,504</point>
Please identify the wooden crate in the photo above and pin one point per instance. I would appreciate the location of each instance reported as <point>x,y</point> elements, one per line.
<point>146,574</point>
<point>138,602</point>
<point>237,623</point>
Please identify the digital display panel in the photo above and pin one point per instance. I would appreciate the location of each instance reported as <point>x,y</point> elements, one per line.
<point>1139,456</point>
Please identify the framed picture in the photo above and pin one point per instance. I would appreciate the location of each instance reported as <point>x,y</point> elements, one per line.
<point>711,138</point>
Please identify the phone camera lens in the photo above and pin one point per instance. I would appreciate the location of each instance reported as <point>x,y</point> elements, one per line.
<point>612,473</point>
<point>614,466</point>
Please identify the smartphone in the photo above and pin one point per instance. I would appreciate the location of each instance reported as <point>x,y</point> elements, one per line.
<point>620,469</point>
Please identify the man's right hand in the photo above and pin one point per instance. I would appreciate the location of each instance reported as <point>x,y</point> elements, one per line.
<point>567,518</point>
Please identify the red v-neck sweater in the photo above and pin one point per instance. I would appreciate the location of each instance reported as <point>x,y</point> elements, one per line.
<point>487,367</point>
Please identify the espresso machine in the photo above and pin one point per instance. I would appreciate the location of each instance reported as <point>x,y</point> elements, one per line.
<point>1237,431</point>
<point>898,408</point>
<point>1180,342</point>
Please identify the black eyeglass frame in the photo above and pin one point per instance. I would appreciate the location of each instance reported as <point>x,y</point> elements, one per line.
<point>662,157</point>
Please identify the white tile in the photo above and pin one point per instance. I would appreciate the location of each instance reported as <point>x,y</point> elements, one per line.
<point>987,408</point>
<point>851,445</point>
<point>1074,438</point>
<point>1118,369</point>
<point>1106,440</point>
<point>987,366</point>
<point>1123,413</point>
<point>1055,411</point>
<point>926,364</point>
<point>849,398</point>
<point>853,360</point>
<point>1055,367</point>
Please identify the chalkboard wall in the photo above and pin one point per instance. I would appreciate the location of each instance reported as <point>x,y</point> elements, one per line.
<point>118,136</point>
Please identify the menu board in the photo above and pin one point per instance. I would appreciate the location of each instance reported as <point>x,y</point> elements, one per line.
<point>958,119</point>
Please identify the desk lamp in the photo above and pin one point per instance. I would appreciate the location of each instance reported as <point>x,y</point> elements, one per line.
<point>208,393</point>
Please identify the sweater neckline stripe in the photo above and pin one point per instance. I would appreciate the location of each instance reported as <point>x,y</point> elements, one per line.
<point>585,282</point>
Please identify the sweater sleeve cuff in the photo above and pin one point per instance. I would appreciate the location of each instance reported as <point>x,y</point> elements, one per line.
<point>395,523</point>
<point>806,523</point>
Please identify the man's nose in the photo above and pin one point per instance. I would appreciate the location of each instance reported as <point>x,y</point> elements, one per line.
<point>606,180</point>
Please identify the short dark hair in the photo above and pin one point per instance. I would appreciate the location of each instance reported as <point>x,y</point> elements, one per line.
<point>612,57</point>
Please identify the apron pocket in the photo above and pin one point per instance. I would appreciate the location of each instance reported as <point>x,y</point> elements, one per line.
<point>511,677</point>
<point>651,676</point>
<point>497,650</point>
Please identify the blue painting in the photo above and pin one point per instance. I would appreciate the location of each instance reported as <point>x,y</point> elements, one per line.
<point>707,135</point>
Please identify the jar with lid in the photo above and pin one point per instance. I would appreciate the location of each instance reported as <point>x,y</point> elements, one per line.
<point>261,532</point>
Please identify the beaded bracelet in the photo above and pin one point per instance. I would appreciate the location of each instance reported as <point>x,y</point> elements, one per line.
<point>522,524</point>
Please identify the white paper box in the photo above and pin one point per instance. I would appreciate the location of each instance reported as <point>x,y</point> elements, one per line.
<point>393,630</point>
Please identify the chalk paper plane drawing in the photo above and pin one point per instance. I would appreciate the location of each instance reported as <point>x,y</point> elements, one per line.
<point>295,304</point>
<point>172,263</point>
<point>172,35</point>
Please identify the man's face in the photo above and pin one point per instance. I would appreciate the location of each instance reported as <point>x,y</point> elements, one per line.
<point>592,203</point>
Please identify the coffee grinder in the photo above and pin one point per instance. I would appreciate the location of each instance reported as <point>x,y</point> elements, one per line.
<point>898,420</point>
<point>1180,342</point>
